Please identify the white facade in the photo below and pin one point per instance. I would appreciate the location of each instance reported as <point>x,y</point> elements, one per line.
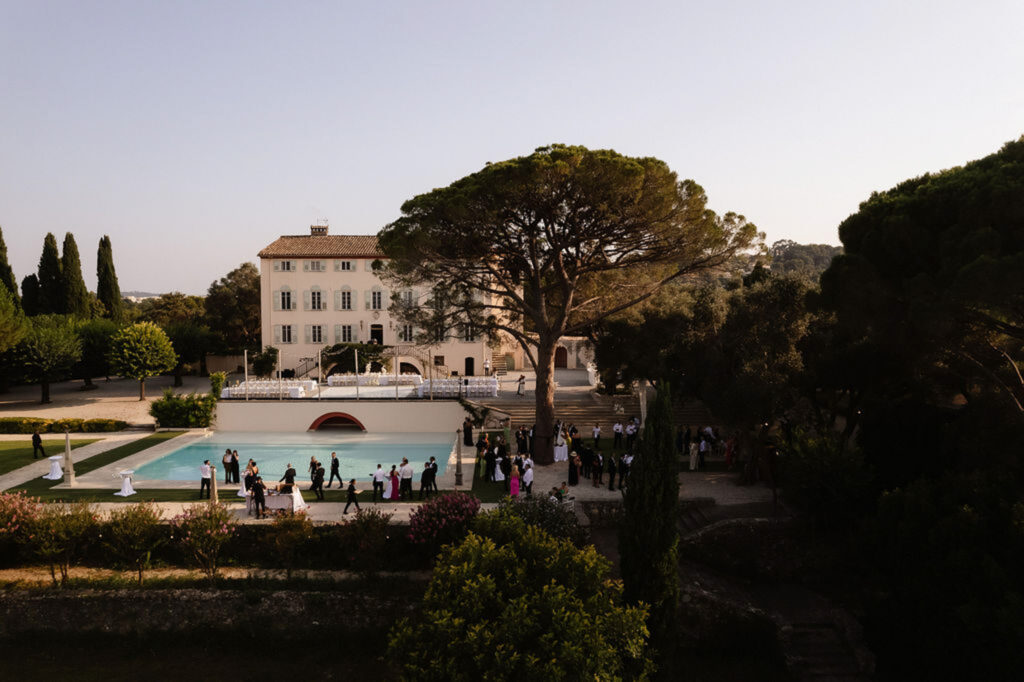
<point>319,290</point>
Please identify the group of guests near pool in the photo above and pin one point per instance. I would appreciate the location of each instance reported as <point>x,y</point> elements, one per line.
<point>589,463</point>
<point>396,484</point>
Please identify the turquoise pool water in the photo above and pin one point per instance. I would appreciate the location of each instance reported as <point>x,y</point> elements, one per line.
<point>359,453</point>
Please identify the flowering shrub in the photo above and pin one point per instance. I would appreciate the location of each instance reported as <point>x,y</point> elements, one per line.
<point>366,534</point>
<point>133,532</point>
<point>202,530</point>
<point>58,533</point>
<point>18,512</point>
<point>289,534</point>
<point>443,520</point>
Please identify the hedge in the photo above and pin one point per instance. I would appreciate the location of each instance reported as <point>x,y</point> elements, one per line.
<point>30,424</point>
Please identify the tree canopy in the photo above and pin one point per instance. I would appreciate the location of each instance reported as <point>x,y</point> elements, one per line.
<point>7,278</point>
<point>233,308</point>
<point>76,295</point>
<point>51,281</point>
<point>12,321</point>
<point>49,350</point>
<point>546,245</point>
<point>107,289</point>
<point>140,351</point>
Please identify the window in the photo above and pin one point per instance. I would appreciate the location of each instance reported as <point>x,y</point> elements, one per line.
<point>286,299</point>
<point>315,300</point>
<point>438,360</point>
<point>286,266</point>
<point>286,333</point>
<point>407,298</point>
<point>405,333</point>
<point>376,300</point>
<point>343,266</point>
<point>468,333</point>
<point>346,333</point>
<point>315,266</point>
<point>346,300</point>
<point>317,333</point>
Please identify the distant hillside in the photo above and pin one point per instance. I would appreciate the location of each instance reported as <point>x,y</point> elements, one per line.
<point>139,294</point>
<point>809,260</point>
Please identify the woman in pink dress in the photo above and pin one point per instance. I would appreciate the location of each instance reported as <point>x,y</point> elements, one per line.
<point>394,484</point>
<point>513,482</point>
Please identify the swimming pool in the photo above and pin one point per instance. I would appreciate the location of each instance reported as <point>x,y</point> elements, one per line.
<point>359,452</point>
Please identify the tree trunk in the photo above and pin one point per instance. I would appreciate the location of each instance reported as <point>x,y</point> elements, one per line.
<point>543,450</point>
<point>142,389</point>
<point>45,385</point>
<point>177,374</point>
<point>87,382</point>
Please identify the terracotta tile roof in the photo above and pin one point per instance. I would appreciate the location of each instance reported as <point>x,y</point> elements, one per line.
<point>323,246</point>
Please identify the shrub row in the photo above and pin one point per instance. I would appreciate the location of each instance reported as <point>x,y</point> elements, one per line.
<point>30,424</point>
<point>192,411</point>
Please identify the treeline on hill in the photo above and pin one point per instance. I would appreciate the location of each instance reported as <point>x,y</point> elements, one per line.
<point>55,328</point>
<point>892,389</point>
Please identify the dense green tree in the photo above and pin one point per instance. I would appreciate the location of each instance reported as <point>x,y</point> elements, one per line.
<point>649,535</point>
<point>140,351</point>
<point>96,335</point>
<point>265,362</point>
<point>191,342</point>
<point>344,356</point>
<point>172,308</point>
<point>30,295</point>
<point>549,244</point>
<point>76,301</point>
<point>49,350</point>
<point>12,321</point>
<point>803,260</point>
<point>233,308</point>
<point>7,278</point>
<point>512,603</point>
<point>52,299</point>
<point>107,289</point>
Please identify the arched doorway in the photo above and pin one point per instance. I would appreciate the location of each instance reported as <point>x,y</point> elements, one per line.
<point>470,366</point>
<point>561,358</point>
<point>408,368</point>
<point>336,420</point>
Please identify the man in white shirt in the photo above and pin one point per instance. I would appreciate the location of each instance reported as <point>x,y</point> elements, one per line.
<point>378,483</point>
<point>597,436</point>
<point>405,474</point>
<point>204,480</point>
<point>617,431</point>
<point>528,479</point>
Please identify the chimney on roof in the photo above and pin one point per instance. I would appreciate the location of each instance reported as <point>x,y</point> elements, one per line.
<point>318,230</point>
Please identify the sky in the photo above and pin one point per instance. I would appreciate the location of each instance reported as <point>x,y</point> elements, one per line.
<point>196,133</point>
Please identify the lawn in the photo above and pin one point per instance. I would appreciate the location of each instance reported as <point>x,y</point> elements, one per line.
<point>16,454</point>
<point>42,488</point>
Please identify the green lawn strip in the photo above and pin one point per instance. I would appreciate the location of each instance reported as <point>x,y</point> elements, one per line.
<point>40,487</point>
<point>16,454</point>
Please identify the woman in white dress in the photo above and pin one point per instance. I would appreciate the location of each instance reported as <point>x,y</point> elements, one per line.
<point>387,487</point>
<point>498,475</point>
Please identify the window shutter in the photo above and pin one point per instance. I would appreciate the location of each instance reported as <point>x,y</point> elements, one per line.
<point>306,300</point>
<point>277,299</point>
<point>367,298</point>
<point>309,332</point>
<point>305,265</point>
<point>277,333</point>
<point>277,266</point>
<point>337,300</point>
<point>337,333</point>
<point>337,266</point>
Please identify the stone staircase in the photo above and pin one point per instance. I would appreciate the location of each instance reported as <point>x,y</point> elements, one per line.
<point>820,652</point>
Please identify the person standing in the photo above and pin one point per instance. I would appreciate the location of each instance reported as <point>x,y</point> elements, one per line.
<point>433,474</point>
<point>574,469</point>
<point>204,478</point>
<point>352,492</point>
<point>318,482</point>
<point>597,470</point>
<point>288,478</point>
<point>611,472</point>
<point>425,484</point>
<point>702,453</point>
<point>393,480</point>
<point>259,497</point>
<point>617,435</point>
<point>513,481</point>
<point>335,471</point>
<point>467,433</point>
<point>528,480</point>
<point>405,472</point>
<point>693,455</point>
<point>226,461</point>
<point>624,463</point>
<point>378,483</point>
<point>37,445</point>
<point>521,385</point>
<point>313,464</point>
<point>235,469</point>
<point>597,436</point>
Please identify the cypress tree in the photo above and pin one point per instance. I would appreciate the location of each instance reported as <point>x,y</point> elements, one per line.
<point>7,273</point>
<point>649,536</point>
<point>30,295</point>
<point>107,289</point>
<point>76,300</point>
<point>51,282</point>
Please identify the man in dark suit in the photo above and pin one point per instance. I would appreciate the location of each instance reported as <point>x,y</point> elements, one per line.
<point>288,478</point>
<point>37,444</point>
<point>318,482</point>
<point>352,492</point>
<point>335,471</point>
<point>433,473</point>
<point>426,480</point>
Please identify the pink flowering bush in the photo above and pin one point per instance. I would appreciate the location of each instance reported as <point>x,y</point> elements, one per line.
<point>18,512</point>
<point>443,519</point>
<point>202,530</point>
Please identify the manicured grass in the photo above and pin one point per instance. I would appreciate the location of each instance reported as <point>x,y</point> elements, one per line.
<point>42,488</point>
<point>16,454</point>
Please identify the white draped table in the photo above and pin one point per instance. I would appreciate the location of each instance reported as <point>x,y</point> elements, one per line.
<point>126,484</point>
<point>56,473</point>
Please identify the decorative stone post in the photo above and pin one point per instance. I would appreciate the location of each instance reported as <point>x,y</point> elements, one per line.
<point>458,458</point>
<point>69,466</point>
<point>213,484</point>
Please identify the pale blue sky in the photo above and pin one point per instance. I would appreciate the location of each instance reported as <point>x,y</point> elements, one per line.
<point>195,133</point>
